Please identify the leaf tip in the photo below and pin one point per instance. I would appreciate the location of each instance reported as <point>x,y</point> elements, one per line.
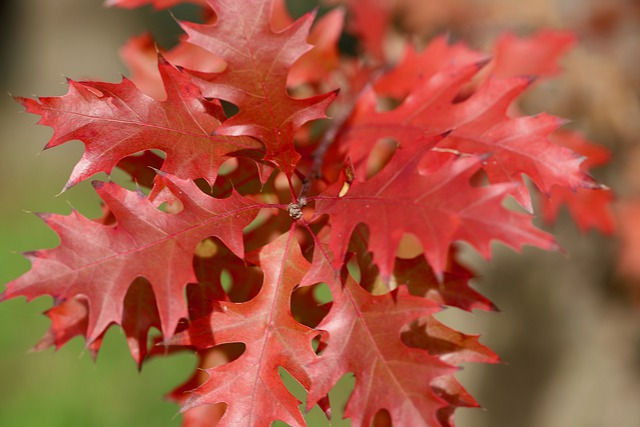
<point>98,185</point>
<point>44,216</point>
<point>482,62</point>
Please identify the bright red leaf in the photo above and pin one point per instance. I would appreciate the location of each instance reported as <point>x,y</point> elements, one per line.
<point>589,207</point>
<point>420,66</point>
<point>68,320</point>
<point>316,65</point>
<point>536,55</point>
<point>453,347</point>
<point>100,262</point>
<point>479,125</point>
<point>438,208</point>
<point>258,62</point>
<point>140,55</point>
<point>117,120</point>
<point>251,385</point>
<point>363,336</point>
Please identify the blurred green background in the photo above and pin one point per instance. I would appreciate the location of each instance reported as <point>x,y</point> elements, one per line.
<point>42,42</point>
<point>567,331</point>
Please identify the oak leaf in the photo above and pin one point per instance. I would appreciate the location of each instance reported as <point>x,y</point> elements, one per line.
<point>363,336</point>
<point>255,80</point>
<point>250,385</point>
<point>438,208</point>
<point>479,124</point>
<point>589,207</point>
<point>117,120</point>
<point>101,261</point>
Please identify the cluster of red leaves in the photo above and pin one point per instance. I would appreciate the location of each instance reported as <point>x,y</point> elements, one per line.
<point>249,213</point>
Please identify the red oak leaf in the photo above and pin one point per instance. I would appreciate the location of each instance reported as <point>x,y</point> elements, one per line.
<point>590,208</point>
<point>521,146</point>
<point>420,66</point>
<point>140,55</point>
<point>453,347</point>
<point>363,336</point>
<point>250,385</point>
<point>438,208</point>
<point>68,320</point>
<point>479,125</point>
<point>453,290</point>
<point>100,261</point>
<point>216,257</point>
<point>258,62</point>
<point>316,65</point>
<point>536,55</point>
<point>370,22</point>
<point>140,314</point>
<point>117,120</point>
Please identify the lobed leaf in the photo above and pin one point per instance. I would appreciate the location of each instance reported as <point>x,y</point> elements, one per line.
<point>101,261</point>
<point>438,208</point>
<point>258,63</point>
<point>117,120</point>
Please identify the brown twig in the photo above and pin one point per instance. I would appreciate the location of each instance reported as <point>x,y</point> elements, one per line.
<point>327,139</point>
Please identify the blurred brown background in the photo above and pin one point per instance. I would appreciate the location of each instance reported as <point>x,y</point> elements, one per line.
<point>569,329</point>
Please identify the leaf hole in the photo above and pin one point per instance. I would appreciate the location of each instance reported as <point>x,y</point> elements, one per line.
<point>322,293</point>
<point>480,178</point>
<point>361,265</point>
<point>386,103</point>
<point>320,414</point>
<point>466,92</point>
<point>139,167</point>
<point>309,304</point>
<point>317,345</point>
<point>380,155</point>
<point>354,269</point>
<point>171,206</point>
<point>228,167</point>
<point>229,109</point>
<point>162,207</point>
<point>382,419</point>
<point>221,354</point>
<point>140,314</point>
<point>226,280</point>
<point>338,396</point>
<point>410,246</point>
<point>240,174</point>
<point>221,275</point>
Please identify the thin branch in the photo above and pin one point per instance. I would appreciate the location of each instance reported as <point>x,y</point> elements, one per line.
<point>329,137</point>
